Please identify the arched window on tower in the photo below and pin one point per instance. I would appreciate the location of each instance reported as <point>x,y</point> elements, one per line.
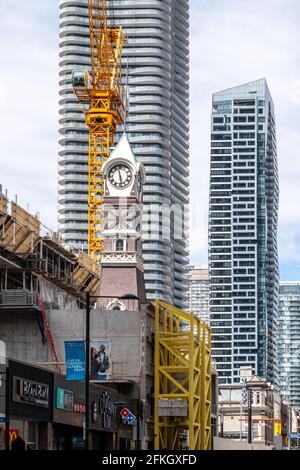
<point>116,305</point>
<point>120,245</point>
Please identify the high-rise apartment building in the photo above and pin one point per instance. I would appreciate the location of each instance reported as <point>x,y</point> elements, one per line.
<point>157,54</point>
<point>288,343</point>
<point>198,278</point>
<point>243,213</point>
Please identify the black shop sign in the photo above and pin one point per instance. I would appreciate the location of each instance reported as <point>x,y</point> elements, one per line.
<point>105,409</point>
<point>31,393</point>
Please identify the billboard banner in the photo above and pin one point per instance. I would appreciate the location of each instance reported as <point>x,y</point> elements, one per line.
<point>100,361</point>
<point>75,360</point>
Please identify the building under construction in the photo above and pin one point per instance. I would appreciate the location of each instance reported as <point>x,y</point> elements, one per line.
<point>43,287</point>
<point>37,273</point>
<point>160,355</point>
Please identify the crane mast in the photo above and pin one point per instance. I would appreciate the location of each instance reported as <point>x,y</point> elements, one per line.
<point>101,91</point>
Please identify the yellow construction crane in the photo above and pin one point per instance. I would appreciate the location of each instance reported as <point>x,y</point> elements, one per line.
<point>102,92</point>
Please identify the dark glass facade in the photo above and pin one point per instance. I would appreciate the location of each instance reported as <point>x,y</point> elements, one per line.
<point>243,259</point>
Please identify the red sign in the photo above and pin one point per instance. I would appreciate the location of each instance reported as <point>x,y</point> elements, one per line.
<point>79,408</point>
<point>125,412</point>
<point>13,434</point>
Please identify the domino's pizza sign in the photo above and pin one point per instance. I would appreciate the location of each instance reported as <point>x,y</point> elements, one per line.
<point>127,416</point>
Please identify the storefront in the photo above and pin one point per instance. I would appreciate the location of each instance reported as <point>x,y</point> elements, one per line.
<point>104,422</point>
<point>2,405</point>
<point>68,414</point>
<point>30,410</point>
<point>48,412</point>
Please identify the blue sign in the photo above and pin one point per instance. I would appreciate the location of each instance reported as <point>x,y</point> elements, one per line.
<point>75,360</point>
<point>294,436</point>
<point>64,400</point>
<point>128,417</point>
<point>2,418</point>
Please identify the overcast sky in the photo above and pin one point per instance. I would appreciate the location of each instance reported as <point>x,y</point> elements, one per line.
<point>232,42</point>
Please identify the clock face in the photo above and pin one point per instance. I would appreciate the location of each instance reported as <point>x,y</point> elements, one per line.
<point>120,176</point>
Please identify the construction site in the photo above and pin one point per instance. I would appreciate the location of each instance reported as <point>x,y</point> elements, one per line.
<point>160,356</point>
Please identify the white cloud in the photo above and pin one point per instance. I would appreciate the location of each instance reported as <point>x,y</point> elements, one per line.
<point>3,93</point>
<point>29,104</point>
<point>233,42</point>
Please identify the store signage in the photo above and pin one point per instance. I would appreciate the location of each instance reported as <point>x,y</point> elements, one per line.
<point>106,409</point>
<point>64,400</point>
<point>32,393</point>
<point>13,434</point>
<point>127,416</point>
<point>277,429</point>
<point>79,408</point>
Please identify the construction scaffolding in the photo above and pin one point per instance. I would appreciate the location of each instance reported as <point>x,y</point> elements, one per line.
<point>182,380</point>
<point>24,249</point>
<point>39,273</point>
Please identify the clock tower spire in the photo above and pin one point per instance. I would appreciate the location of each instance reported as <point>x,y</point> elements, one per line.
<point>122,262</point>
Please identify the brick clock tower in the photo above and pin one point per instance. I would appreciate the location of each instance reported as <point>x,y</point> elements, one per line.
<point>122,263</point>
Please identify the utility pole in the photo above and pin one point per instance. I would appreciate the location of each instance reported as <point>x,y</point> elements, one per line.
<point>7,409</point>
<point>243,400</point>
<point>87,369</point>
<point>290,427</point>
<point>241,422</point>
<point>250,400</point>
<point>138,418</point>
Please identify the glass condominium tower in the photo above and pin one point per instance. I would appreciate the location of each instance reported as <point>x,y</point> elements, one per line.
<point>243,214</point>
<point>288,343</point>
<point>157,58</point>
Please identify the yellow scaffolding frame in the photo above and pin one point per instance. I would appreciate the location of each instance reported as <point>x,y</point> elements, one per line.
<point>182,372</point>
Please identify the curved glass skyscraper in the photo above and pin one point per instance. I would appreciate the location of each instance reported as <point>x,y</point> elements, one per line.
<point>157,54</point>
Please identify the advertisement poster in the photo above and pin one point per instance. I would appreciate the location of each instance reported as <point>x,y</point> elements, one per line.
<point>75,360</point>
<point>100,360</point>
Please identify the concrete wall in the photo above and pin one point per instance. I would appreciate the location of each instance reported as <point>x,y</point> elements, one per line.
<point>20,332</point>
<point>229,444</point>
<point>123,328</point>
